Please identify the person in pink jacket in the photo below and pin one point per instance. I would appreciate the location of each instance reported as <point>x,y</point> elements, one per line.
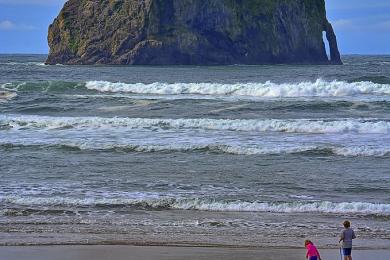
<point>312,252</point>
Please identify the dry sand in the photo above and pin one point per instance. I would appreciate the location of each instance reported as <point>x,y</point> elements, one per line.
<point>171,253</point>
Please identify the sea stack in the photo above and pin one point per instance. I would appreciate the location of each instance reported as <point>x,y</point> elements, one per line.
<point>192,32</point>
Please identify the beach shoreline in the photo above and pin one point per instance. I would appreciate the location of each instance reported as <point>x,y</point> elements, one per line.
<point>118,252</point>
<point>156,244</point>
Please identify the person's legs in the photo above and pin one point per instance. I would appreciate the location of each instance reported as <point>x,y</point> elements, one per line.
<point>347,253</point>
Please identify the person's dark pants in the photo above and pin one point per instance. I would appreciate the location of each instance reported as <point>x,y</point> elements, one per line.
<point>313,258</point>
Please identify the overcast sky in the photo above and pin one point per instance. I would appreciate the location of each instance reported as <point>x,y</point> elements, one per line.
<point>362,26</point>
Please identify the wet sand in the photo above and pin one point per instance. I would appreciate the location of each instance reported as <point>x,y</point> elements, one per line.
<point>171,253</point>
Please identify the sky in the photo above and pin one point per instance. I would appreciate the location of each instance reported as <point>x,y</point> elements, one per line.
<point>362,26</point>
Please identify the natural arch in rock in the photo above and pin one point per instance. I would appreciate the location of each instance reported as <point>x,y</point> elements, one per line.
<point>335,57</point>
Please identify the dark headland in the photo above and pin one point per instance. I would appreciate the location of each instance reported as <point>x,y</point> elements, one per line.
<point>194,32</point>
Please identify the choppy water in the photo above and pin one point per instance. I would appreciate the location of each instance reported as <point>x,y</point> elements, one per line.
<point>231,155</point>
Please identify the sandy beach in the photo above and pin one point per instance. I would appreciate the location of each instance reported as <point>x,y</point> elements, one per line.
<point>171,253</point>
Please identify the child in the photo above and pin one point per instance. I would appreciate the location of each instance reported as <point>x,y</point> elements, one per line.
<point>346,237</point>
<point>312,252</point>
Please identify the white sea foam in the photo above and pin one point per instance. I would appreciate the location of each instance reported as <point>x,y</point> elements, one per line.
<point>304,197</point>
<point>6,95</point>
<point>319,88</point>
<point>363,151</point>
<point>291,207</point>
<point>213,148</point>
<point>31,63</point>
<point>204,204</point>
<point>347,151</point>
<point>317,126</point>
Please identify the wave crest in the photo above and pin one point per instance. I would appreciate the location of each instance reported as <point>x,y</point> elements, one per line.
<point>318,126</point>
<point>319,88</point>
<point>204,204</point>
<point>358,151</point>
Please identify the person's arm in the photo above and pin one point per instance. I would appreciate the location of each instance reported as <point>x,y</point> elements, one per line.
<point>341,236</point>
<point>318,254</point>
<point>307,254</point>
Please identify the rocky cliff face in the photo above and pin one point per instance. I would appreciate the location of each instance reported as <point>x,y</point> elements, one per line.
<point>191,32</point>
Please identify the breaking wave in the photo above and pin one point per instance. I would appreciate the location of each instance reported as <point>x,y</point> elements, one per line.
<point>44,86</point>
<point>29,63</point>
<point>358,151</point>
<point>204,204</point>
<point>319,88</point>
<point>316,126</point>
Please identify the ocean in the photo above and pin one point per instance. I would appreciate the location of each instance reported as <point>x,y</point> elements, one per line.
<point>254,156</point>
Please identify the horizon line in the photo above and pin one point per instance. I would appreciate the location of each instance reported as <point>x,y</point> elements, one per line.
<point>342,54</point>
